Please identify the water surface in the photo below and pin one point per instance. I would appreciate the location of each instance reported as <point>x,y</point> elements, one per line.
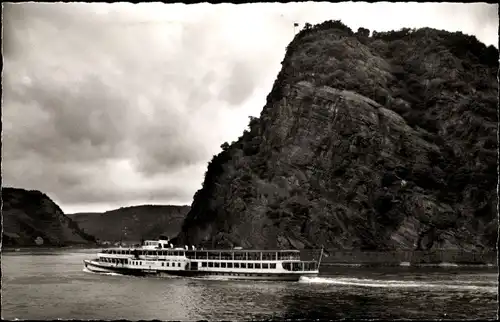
<point>51,284</point>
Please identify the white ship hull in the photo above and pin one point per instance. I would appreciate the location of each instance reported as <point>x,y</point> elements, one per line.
<point>279,265</point>
<point>91,266</point>
<point>253,276</point>
<point>97,267</point>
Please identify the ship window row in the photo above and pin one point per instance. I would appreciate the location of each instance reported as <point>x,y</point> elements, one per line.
<point>143,252</point>
<point>242,255</point>
<point>271,256</point>
<point>237,274</point>
<point>113,260</point>
<point>239,265</point>
<point>167,264</point>
<point>164,264</point>
<point>124,261</point>
<point>301,266</point>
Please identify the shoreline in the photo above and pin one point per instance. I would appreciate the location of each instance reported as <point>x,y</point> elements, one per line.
<point>348,259</point>
<point>412,258</point>
<point>412,265</point>
<point>11,248</point>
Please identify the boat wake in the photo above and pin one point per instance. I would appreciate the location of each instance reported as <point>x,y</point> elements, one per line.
<point>444,264</point>
<point>362,282</point>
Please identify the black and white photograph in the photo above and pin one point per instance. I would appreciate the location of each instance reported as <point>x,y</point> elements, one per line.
<point>267,161</point>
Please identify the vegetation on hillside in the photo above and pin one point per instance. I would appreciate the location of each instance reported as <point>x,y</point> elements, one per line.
<point>29,214</point>
<point>442,84</point>
<point>133,223</point>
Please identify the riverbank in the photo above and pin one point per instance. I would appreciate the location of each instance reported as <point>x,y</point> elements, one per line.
<point>437,258</point>
<point>406,264</point>
<point>11,248</point>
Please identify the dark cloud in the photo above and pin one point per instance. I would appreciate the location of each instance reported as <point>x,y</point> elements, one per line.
<point>83,121</point>
<point>240,85</point>
<point>91,195</point>
<point>199,90</point>
<point>164,147</point>
<point>91,99</point>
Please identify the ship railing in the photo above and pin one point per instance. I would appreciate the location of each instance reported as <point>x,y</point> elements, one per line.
<point>145,252</point>
<point>244,255</point>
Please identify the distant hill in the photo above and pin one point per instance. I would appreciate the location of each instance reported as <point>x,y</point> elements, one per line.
<point>382,142</point>
<point>133,223</point>
<point>31,218</point>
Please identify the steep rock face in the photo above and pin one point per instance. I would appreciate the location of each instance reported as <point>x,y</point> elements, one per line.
<point>382,142</point>
<point>31,216</point>
<point>133,223</point>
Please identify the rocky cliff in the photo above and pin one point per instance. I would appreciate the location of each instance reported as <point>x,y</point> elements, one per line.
<point>366,142</point>
<point>133,223</point>
<point>31,218</point>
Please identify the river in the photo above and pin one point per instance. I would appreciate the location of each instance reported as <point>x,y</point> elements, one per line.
<point>52,284</point>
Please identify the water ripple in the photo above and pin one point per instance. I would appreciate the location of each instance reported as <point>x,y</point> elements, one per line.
<point>55,286</point>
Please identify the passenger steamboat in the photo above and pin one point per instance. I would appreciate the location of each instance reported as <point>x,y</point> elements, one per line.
<point>159,257</point>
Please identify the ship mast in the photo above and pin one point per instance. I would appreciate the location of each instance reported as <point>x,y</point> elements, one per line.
<point>320,256</point>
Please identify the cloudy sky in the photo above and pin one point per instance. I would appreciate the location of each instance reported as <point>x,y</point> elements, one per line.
<point>109,105</point>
